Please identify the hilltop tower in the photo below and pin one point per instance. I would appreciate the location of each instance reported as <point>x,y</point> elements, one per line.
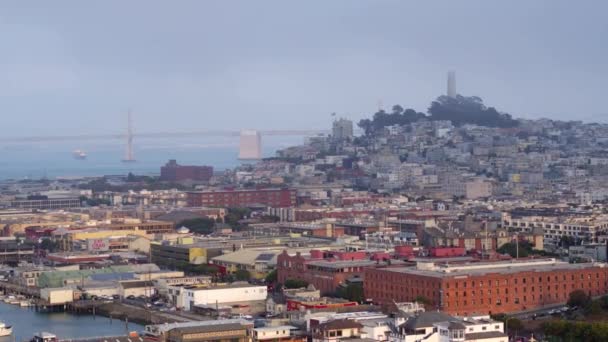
<point>452,84</point>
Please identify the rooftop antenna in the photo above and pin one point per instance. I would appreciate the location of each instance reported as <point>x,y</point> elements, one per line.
<point>129,157</point>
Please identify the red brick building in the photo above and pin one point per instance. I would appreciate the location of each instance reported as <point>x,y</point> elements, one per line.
<point>326,270</point>
<point>243,198</point>
<point>486,288</point>
<point>173,172</point>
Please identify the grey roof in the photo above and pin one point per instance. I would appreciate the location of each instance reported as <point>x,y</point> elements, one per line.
<point>265,257</point>
<point>504,267</point>
<point>178,216</point>
<point>426,319</point>
<point>210,328</point>
<point>112,276</point>
<point>456,325</point>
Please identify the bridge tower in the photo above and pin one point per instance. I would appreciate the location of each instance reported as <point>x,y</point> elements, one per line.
<point>129,156</point>
<point>250,146</point>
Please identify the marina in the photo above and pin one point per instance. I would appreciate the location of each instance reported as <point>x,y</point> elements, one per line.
<point>25,322</point>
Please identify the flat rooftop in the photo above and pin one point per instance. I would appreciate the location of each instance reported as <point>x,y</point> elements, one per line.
<point>504,267</point>
<point>170,326</point>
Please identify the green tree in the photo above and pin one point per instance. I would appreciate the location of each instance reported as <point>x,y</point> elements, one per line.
<point>514,324</point>
<point>560,330</point>
<point>242,275</point>
<point>352,292</point>
<point>468,110</point>
<point>594,308</point>
<point>511,248</point>
<point>49,245</point>
<point>272,277</point>
<point>295,283</point>
<point>423,300</point>
<point>269,219</point>
<point>604,302</point>
<point>578,298</point>
<point>234,215</point>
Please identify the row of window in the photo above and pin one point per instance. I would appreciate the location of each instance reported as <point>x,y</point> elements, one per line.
<point>540,279</point>
<point>548,298</point>
<point>540,289</point>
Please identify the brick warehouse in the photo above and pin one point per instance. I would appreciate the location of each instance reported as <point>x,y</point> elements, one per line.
<point>174,172</point>
<point>326,270</point>
<point>243,198</point>
<point>488,287</point>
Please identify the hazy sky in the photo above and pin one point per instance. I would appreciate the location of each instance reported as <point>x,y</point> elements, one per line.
<point>77,66</point>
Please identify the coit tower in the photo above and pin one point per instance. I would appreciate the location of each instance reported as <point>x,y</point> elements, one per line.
<point>452,84</point>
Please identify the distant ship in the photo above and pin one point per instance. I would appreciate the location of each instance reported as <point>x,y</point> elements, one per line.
<point>79,154</point>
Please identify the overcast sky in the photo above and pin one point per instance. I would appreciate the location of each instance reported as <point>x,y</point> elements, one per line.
<point>78,66</point>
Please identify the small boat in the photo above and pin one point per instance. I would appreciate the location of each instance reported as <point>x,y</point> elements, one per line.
<point>79,154</point>
<point>5,330</point>
<point>25,303</point>
<point>44,337</point>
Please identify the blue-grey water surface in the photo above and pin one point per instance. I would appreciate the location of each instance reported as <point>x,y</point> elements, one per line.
<point>26,322</point>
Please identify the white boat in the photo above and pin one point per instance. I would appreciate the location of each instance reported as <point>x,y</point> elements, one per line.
<point>5,330</point>
<point>44,337</point>
<point>79,154</point>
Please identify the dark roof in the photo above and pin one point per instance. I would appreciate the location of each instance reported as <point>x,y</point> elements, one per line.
<point>340,324</point>
<point>265,257</point>
<point>456,325</point>
<point>179,216</point>
<point>484,335</point>
<point>426,319</point>
<point>210,328</point>
<point>136,284</point>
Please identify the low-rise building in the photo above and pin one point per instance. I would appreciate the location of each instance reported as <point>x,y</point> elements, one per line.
<point>188,297</point>
<point>591,252</point>
<point>326,270</point>
<point>486,287</point>
<point>275,333</point>
<point>337,330</point>
<point>136,288</point>
<point>237,330</point>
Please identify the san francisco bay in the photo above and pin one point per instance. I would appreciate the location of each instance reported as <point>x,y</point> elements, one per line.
<point>26,322</point>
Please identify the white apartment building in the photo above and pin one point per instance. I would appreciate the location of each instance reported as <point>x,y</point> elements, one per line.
<point>584,228</point>
<point>437,329</point>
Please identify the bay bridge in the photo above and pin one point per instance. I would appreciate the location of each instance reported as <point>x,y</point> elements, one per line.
<point>250,140</point>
